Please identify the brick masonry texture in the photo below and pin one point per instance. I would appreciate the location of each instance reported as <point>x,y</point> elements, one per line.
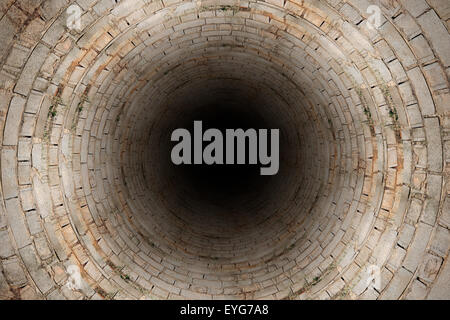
<point>372,109</point>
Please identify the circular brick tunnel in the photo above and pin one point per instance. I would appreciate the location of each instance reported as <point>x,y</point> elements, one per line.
<point>92,207</point>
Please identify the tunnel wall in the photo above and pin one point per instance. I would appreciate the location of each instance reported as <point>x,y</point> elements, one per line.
<point>366,184</point>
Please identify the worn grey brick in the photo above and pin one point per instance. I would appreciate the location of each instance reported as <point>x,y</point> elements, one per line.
<point>11,131</point>
<point>40,276</point>
<point>9,174</point>
<point>6,248</point>
<point>417,248</point>
<point>436,32</point>
<point>16,221</point>
<point>14,272</point>
<point>31,69</point>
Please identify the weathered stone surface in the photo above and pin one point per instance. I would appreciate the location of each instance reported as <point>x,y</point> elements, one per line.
<point>29,293</point>
<point>14,273</point>
<point>417,291</point>
<point>397,285</point>
<point>445,215</point>
<point>34,223</point>
<point>441,288</point>
<point>439,37</point>
<point>6,249</point>
<point>11,131</point>
<point>16,221</point>
<point>441,241</point>
<point>429,268</point>
<point>6,36</point>
<point>40,277</point>
<point>422,49</point>
<point>417,248</point>
<point>421,91</point>
<point>5,291</point>
<point>9,175</point>
<point>42,196</point>
<point>406,235</point>
<point>31,69</point>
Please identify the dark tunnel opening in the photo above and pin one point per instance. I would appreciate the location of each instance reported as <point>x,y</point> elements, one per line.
<point>219,183</point>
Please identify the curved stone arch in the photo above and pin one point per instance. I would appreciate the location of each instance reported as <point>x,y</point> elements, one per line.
<point>371,121</point>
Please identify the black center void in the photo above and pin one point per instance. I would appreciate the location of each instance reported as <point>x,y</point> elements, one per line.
<point>219,183</point>
<point>201,188</point>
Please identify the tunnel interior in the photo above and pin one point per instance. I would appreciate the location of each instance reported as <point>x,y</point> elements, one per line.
<point>92,207</point>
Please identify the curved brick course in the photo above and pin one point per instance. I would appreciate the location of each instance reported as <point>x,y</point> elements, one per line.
<point>366,187</point>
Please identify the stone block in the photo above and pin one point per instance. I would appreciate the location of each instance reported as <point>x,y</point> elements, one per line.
<point>14,272</point>
<point>17,224</point>
<point>13,120</point>
<point>9,174</point>
<point>416,250</point>
<point>31,69</point>
<point>437,34</point>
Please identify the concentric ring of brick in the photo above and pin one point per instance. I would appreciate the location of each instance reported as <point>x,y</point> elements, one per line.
<point>367,187</point>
